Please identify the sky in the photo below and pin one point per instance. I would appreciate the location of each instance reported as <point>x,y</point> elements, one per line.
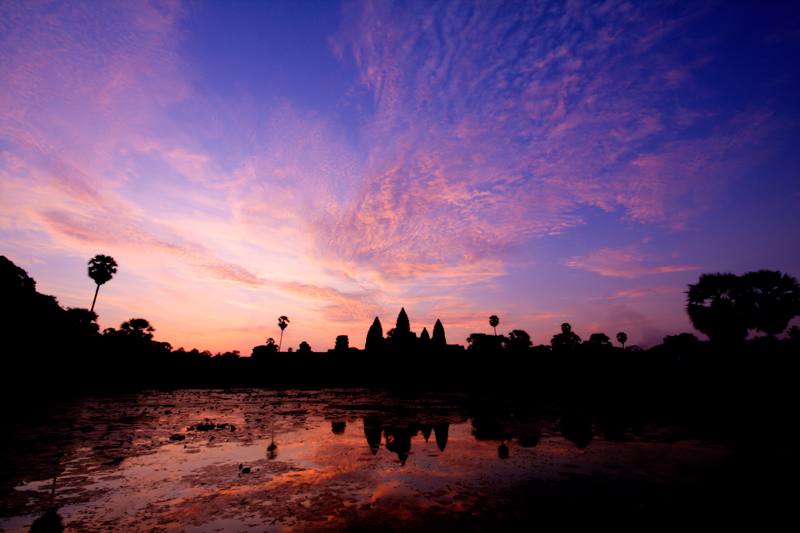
<point>332,162</point>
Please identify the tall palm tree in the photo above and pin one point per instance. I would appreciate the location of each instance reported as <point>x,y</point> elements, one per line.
<point>494,321</point>
<point>283,321</point>
<point>101,269</point>
<point>622,338</point>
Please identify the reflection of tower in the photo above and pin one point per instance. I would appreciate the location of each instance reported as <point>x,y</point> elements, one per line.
<point>441,431</point>
<point>399,442</point>
<point>338,426</point>
<point>372,430</point>
<point>426,432</point>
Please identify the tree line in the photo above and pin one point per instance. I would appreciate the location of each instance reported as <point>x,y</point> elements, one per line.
<point>47,343</point>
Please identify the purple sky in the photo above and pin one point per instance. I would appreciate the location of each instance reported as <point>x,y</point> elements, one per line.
<point>545,162</point>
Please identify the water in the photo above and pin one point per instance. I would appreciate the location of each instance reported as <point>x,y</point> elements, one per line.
<point>341,459</point>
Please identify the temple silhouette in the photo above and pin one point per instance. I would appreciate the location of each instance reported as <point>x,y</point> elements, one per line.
<point>401,338</point>
<point>397,435</point>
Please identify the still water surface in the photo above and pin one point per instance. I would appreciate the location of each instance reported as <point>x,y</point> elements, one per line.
<point>319,460</point>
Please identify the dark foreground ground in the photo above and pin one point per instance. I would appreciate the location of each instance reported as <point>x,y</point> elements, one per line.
<point>359,460</point>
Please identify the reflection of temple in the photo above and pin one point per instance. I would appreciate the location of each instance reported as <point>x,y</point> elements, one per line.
<point>398,435</point>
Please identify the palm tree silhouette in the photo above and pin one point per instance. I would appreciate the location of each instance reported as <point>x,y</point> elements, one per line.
<point>494,321</point>
<point>283,321</point>
<point>101,269</point>
<point>622,338</point>
<point>717,306</point>
<point>773,300</point>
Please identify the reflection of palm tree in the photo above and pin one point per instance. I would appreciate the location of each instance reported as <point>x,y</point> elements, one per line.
<point>494,321</point>
<point>272,449</point>
<point>101,269</point>
<point>50,521</point>
<point>283,321</point>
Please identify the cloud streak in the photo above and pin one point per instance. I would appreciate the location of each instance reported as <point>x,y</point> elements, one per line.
<point>624,263</point>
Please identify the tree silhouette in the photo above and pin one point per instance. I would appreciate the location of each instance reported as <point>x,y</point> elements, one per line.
<point>101,269</point>
<point>518,340</point>
<point>15,282</point>
<point>263,351</point>
<point>374,336</point>
<point>622,338</point>
<point>138,328</point>
<point>716,306</point>
<point>283,321</point>
<point>566,340</point>
<point>482,342</point>
<point>772,298</point>
<point>82,322</point>
<point>494,322</point>
<point>304,347</point>
<point>601,339</point>
<point>726,306</point>
<point>682,342</point>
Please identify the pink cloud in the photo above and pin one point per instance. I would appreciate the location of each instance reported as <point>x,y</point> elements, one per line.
<point>642,292</point>
<point>591,122</point>
<point>624,263</point>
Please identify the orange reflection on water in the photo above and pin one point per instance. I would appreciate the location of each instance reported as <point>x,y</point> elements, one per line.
<point>330,467</point>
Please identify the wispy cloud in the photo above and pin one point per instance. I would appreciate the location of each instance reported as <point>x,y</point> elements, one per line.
<point>643,292</point>
<point>626,262</point>
<point>479,148</point>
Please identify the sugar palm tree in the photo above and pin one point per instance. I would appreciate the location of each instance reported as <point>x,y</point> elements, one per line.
<point>101,269</point>
<point>622,338</point>
<point>283,321</point>
<point>494,321</point>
